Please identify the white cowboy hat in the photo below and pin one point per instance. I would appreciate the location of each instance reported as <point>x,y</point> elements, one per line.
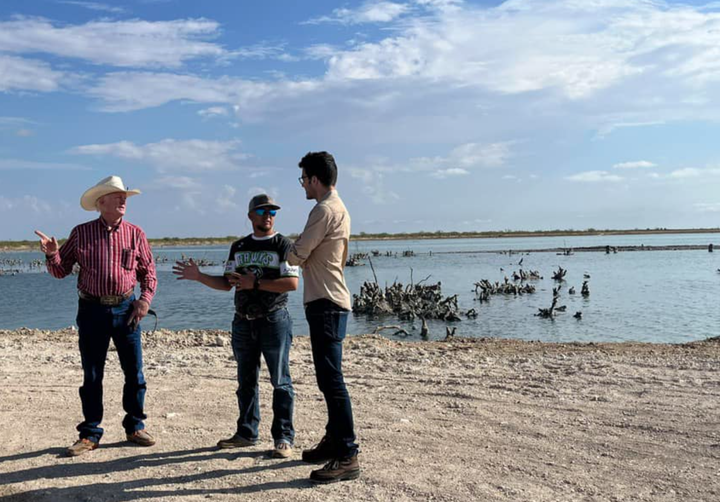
<point>111,184</point>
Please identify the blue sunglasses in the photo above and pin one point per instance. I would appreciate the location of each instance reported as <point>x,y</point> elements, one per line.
<point>263,212</point>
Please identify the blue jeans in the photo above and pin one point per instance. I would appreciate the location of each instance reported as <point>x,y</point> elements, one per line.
<point>270,337</point>
<point>97,324</point>
<point>328,325</point>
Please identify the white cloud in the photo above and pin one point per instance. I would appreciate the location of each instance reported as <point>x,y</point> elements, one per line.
<point>25,203</point>
<point>94,6</point>
<point>170,155</point>
<point>213,111</point>
<point>374,185</point>
<point>125,91</point>
<point>686,172</point>
<point>259,51</point>
<point>707,207</point>
<point>594,177</point>
<point>692,172</point>
<point>447,173</point>
<point>639,164</point>
<point>135,42</point>
<point>576,48</point>
<point>226,199</point>
<point>606,129</point>
<point>463,157</point>
<point>27,74</point>
<point>372,11</point>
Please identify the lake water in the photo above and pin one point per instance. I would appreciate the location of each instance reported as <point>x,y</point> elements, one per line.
<point>651,296</point>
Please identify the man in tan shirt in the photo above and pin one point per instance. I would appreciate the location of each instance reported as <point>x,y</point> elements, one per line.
<point>321,251</point>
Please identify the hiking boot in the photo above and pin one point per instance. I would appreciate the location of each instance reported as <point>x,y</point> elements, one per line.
<point>237,441</point>
<point>339,469</point>
<point>282,449</point>
<point>81,446</point>
<point>322,452</point>
<point>141,437</point>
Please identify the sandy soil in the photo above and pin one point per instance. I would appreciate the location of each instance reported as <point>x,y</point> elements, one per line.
<point>445,421</point>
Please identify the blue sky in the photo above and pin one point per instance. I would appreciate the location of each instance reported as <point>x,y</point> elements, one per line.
<point>442,114</point>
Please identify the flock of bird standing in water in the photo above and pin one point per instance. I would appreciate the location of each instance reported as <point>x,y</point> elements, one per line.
<point>414,301</point>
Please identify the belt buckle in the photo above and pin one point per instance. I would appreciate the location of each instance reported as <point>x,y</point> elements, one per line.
<point>110,301</point>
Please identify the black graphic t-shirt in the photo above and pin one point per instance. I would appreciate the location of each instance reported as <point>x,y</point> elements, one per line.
<point>266,257</point>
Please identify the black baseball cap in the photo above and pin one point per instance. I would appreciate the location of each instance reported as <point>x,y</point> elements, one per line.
<point>262,200</point>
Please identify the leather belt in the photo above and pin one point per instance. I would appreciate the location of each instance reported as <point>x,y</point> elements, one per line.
<point>260,315</point>
<point>108,301</point>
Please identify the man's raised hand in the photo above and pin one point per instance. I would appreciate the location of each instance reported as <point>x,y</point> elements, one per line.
<point>187,270</point>
<point>48,245</point>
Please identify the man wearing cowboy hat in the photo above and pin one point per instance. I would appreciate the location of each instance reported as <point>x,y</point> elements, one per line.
<point>257,267</point>
<point>113,256</point>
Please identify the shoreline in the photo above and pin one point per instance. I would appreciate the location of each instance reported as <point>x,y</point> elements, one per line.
<point>204,337</point>
<point>467,419</point>
<point>559,250</point>
<point>9,246</point>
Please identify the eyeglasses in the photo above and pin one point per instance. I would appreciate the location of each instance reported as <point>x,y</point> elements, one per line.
<point>263,212</point>
<point>301,178</point>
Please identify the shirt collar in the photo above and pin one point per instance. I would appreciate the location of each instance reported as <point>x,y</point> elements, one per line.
<point>107,227</point>
<point>266,238</point>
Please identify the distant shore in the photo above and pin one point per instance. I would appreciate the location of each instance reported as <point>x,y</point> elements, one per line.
<point>29,245</point>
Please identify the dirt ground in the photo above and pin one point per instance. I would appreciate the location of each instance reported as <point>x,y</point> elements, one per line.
<point>463,420</point>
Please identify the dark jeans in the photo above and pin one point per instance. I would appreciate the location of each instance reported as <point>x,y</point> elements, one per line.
<point>328,324</point>
<point>270,336</point>
<point>97,324</point>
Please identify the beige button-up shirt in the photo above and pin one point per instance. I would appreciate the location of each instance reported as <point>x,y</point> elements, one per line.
<point>321,251</point>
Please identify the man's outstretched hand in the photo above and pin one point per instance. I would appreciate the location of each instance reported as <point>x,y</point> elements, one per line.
<point>48,245</point>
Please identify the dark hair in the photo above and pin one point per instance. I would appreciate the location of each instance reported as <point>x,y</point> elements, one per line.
<point>322,166</point>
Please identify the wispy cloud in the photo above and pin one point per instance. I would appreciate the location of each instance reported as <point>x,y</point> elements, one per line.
<point>125,91</point>
<point>373,11</point>
<point>608,128</point>
<point>20,74</point>
<point>133,43</point>
<point>24,203</point>
<point>463,158</point>
<point>213,111</point>
<point>690,173</point>
<point>594,177</point>
<point>113,9</point>
<point>447,173</point>
<point>18,126</point>
<point>638,164</point>
<point>170,155</point>
<point>226,199</point>
<point>373,182</point>
<point>707,207</point>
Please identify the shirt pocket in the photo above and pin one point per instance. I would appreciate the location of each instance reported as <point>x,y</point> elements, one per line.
<point>129,259</point>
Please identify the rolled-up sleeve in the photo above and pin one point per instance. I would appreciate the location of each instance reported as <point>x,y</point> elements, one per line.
<point>313,234</point>
<point>146,274</point>
<point>61,263</point>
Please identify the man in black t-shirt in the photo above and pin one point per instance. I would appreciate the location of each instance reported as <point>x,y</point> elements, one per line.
<point>257,267</point>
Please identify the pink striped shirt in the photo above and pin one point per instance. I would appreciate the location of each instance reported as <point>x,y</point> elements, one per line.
<point>111,261</point>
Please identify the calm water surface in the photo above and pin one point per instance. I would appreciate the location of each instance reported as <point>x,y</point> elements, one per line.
<point>653,296</point>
